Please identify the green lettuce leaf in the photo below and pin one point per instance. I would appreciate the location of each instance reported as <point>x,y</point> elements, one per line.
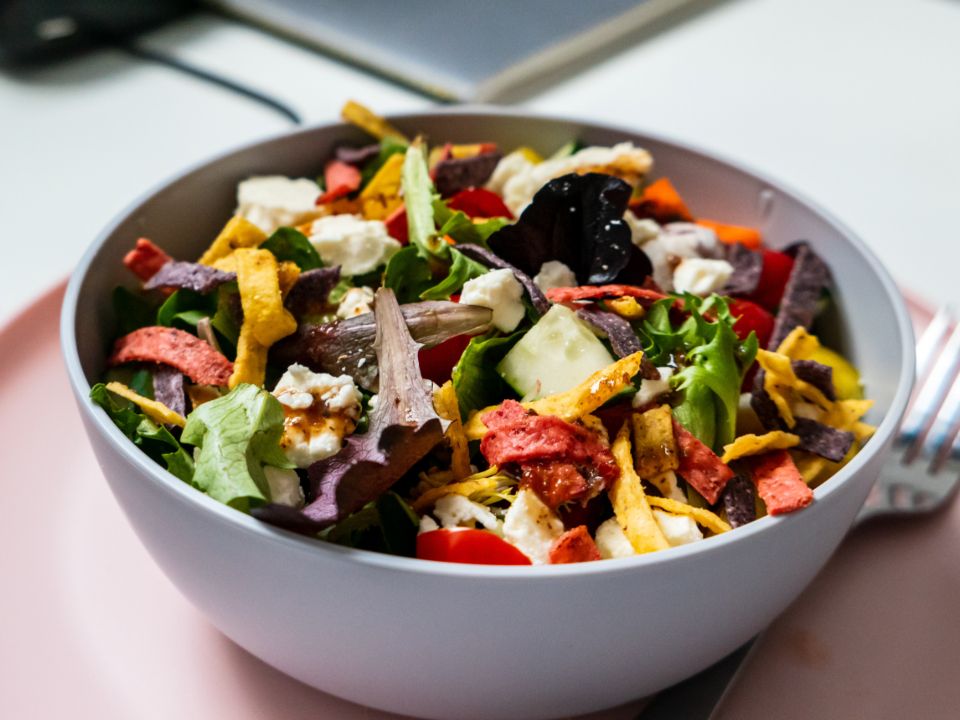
<point>155,440</point>
<point>237,435</point>
<point>186,308</point>
<point>461,269</point>
<point>408,274</point>
<point>712,363</point>
<point>418,197</point>
<point>132,311</point>
<point>461,228</point>
<point>475,379</point>
<point>289,244</point>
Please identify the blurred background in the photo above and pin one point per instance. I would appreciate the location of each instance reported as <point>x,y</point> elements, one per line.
<point>853,103</point>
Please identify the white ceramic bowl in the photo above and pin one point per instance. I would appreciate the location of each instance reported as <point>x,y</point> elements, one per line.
<point>443,640</point>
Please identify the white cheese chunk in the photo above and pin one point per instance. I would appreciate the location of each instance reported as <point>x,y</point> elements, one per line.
<point>650,390</point>
<point>358,246</point>
<point>554,274</point>
<point>284,486</point>
<point>612,541</point>
<point>641,231</point>
<point>274,201</point>
<point>427,524</point>
<point>319,411</point>
<point>356,301</point>
<point>701,276</point>
<point>531,526</point>
<point>500,291</point>
<point>510,165</point>
<point>458,511</point>
<point>677,529</point>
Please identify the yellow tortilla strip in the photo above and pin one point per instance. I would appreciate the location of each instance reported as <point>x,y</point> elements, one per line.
<point>447,407</point>
<point>259,283</point>
<point>576,402</point>
<point>777,381</point>
<point>251,363</point>
<point>654,446</point>
<point>381,196</point>
<point>668,486</point>
<point>237,233</point>
<point>626,307</point>
<point>466,488</point>
<point>630,502</point>
<point>758,444</point>
<point>799,344</point>
<point>368,121</point>
<point>712,522</point>
<point>154,410</point>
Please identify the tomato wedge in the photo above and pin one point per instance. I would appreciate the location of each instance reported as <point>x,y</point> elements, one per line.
<point>773,279</point>
<point>341,180</point>
<point>437,363</point>
<point>750,316</point>
<point>479,203</point>
<point>466,545</point>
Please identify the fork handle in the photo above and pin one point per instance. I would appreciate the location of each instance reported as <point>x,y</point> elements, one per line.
<point>696,698</point>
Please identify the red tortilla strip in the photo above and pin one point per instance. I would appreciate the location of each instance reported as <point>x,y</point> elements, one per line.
<point>700,466</point>
<point>779,483</point>
<point>341,179</point>
<point>574,546</point>
<point>176,348</point>
<point>594,292</point>
<point>145,259</point>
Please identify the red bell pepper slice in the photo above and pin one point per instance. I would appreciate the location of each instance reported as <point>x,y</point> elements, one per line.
<point>773,279</point>
<point>397,225</point>
<point>479,203</point>
<point>467,545</point>
<point>437,363</point>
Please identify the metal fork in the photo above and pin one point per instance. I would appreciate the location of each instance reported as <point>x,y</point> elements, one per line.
<point>921,475</point>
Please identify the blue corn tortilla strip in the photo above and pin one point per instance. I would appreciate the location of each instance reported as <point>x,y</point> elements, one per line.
<point>747,267</point>
<point>809,277</point>
<point>356,156</point>
<point>456,174</point>
<point>763,406</point>
<point>168,388</point>
<point>310,294</point>
<point>623,339</point>
<point>739,501</point>
<point>817,374</point>
<point>202,279</point>
<point>492,260</point>
<point>822,440</point>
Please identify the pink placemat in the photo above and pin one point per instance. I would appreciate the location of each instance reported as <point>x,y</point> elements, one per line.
<point>90,628</point>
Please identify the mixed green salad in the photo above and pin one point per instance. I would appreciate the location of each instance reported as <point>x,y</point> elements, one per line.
<point>478,354</point>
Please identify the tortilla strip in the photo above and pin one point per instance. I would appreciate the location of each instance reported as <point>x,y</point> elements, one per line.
<point>630,502</point>
<point>711,521</point>
<point>654,445</point>
<point>151,408</point>
<point>237,233</point>
<point>447,407</point>
<point>758,444</point>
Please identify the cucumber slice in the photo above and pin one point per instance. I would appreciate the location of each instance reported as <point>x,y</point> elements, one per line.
<point>556,354</point>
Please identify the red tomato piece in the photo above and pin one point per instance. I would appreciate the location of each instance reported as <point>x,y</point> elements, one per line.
<point>437,363</point>
<point>751,317</point>
<point>397,225</point>
<point>341,180</point>
<point>777,267</point>
<point>467,545</point>
<point>574,546</point>
<point>479,203</point>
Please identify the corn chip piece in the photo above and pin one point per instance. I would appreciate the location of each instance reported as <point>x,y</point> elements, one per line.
<point>447,407</point>
<point>711,521</point>
<point>287,275</point>
<point>810,466</point>
<point>862,431</point>
<point>199,394</point>
<point>799,344</point>
<point>777,381</point>
<point>237,233</point>
<point>466,487</point>
<point>630,504</point>
<point>251,363</point>
<point>576,402</point>
<point>844,414</point>
<point>154,410</point>
<point>259,284</point>
<point>368,121</point>
<point>654,445</point>
<point>758,444</point>
<point>626,307</point>
<point>381,196</point>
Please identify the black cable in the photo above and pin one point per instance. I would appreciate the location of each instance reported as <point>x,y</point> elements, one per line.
<point>247,92</point>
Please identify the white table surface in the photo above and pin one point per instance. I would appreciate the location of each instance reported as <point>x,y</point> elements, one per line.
<point>853,102</point>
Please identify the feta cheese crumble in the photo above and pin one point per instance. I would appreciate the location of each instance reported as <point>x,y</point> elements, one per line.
<point>356,301</point>
<point>531,526</point>
<point>500,291</point>
<point>650,390</point>
<point>701,276</point>
<point>612,541</point>
<point>455,510</point>
<point>358,246</point>
<point>677,529</point>
<point>284,486</point>
<point>319,411</point>
<point>273,201</point>
<point>554,274</point>
<point>667,246</point>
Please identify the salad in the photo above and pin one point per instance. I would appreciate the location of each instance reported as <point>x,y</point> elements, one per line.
<point>469,353</point>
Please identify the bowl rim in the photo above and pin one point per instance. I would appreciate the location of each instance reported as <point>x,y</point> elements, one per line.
<point>224,514</point>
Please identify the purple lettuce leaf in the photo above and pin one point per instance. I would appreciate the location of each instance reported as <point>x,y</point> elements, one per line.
<point>618,331</point>
<point>456,174</point>
<point>310,294</point>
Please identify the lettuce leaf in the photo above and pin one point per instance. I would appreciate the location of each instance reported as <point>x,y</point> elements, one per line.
<point>237,435</point>
<point>132,311</point>
<point>289,244</point>
<point>475,379</point>
<point>712,362</point>
<point>408,274</point>
<point>155,440</point>
<point>418,197</point>
<point>461,269</point>
<point>461,228</point>
<point>186,308</point>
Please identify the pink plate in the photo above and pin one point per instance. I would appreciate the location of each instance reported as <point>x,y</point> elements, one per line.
<point>90,628</point>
